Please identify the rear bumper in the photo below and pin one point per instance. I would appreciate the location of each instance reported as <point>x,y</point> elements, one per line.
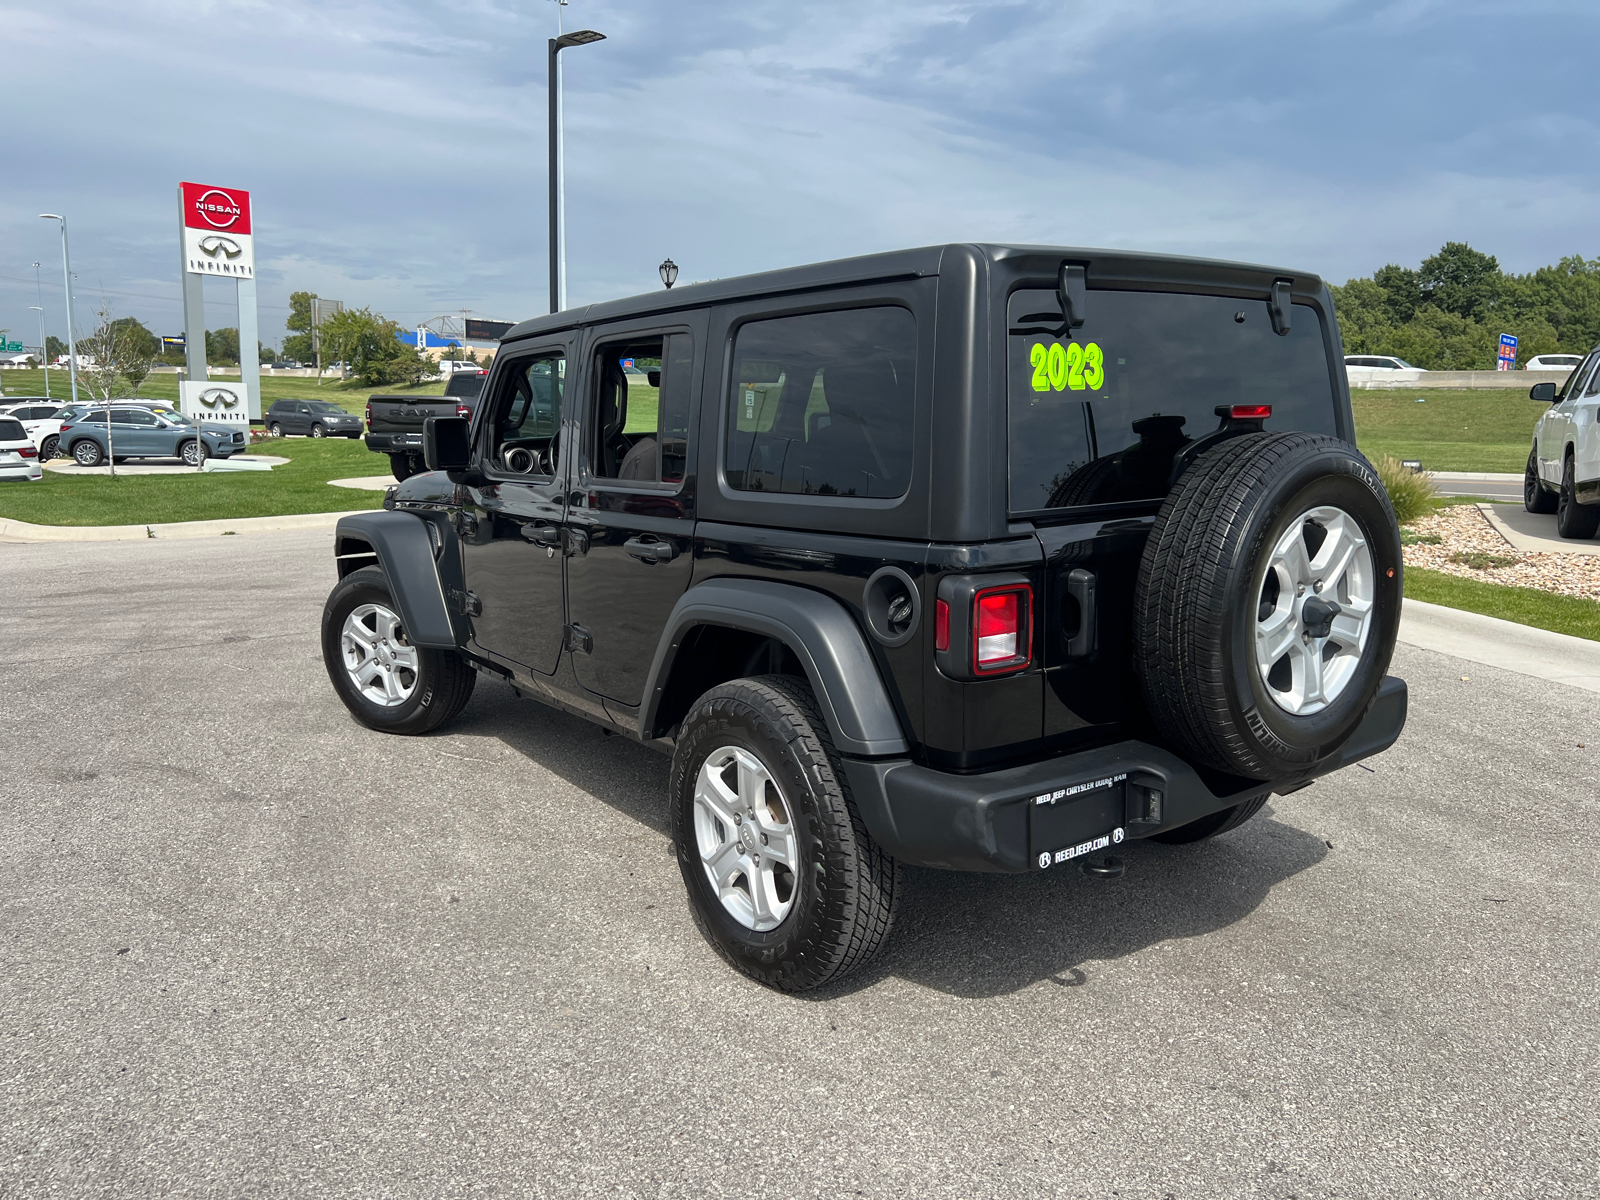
<point>1008,821</point>
<point>394,443</point>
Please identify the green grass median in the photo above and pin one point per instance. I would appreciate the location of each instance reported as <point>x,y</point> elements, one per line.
<point>298,486</point>
<point>1526,606</point>
<point>1449,430</point>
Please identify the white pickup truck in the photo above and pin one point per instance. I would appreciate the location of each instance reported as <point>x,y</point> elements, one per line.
<point>1563,472</point>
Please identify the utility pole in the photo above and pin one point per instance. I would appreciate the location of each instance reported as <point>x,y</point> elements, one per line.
<point>66,266</point>
<point>44,342</point>
<point>558,220</point>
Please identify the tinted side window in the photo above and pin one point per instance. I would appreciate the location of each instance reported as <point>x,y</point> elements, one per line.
<point>822,404</point>
<point>527,416</point>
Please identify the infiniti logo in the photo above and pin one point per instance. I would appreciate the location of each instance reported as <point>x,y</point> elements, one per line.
<point>212,397</point>
<point>218,209</point>
<point>215,245</point>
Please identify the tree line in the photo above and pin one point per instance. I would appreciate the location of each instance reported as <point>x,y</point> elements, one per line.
<point>1449,313</point>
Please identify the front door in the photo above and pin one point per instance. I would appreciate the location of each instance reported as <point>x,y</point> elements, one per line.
<point>511,525</point>
<point>632,519</point>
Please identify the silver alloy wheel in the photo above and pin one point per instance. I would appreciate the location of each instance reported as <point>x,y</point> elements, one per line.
<point>379,660</point>
<point>276,430</point>
<point>1314,611</point>
<point>193,452</point>
<point>87,454</point>
<point>745,834</point>
<point>316,431</point>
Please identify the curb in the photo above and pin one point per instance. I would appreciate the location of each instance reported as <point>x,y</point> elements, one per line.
<point>1472,477</point>
<point>22,533</point>
<point>1557,657</point>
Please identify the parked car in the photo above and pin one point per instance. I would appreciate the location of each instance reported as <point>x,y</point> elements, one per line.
<point>980,558</point>
<point>1553,362</point>
<point>19,457</point>
<point>41,419</point>
<point>1563,471</point>
<point>314,418</point>
<point>394,422</point>
<point>141,433</point>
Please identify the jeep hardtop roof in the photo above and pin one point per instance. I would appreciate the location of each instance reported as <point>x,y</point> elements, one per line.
<point>1121,268</point>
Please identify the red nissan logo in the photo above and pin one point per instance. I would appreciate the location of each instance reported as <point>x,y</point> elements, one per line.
<point>211,209</point>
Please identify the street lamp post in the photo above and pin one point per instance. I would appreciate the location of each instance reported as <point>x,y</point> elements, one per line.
<point>44,345</point>
<point>558,282</point>
<point>66,267</point>
<point>669,273</point>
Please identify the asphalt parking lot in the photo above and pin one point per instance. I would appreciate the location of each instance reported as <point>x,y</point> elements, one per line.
<point>248,948</point>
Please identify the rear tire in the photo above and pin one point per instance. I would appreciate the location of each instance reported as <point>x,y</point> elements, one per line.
<point>796,924</point>
<point>1574,520</point>
<point>1536,498</point>
<point>401,466</point>
<point>1267,603</point>
<point>1210,826</point>
<point>386,683</point>
<point>275,429</point>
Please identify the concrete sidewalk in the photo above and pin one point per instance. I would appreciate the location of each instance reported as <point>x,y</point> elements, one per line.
<point>22,533</point>
<point>1505,644</point>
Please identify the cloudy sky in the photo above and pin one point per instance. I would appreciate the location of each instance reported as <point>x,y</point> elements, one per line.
<point>395,151</point>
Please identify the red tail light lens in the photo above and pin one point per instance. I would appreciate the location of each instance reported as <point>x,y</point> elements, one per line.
<point>64,428</point>
<point>28,452</point>
<point>463,411</point>
<point>1002,628</point>
<point>369,416</point>
<point>1250,412</point>
<point>941,625</point>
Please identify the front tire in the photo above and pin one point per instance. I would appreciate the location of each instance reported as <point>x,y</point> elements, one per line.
<point>1574,520</point>
<point>88,453</point>
<point>318,431</point>
<point>193,453</point>
<point>1536,498</point>
<point>387,683</point>
<point>783,879</point>
<point>51,447</point>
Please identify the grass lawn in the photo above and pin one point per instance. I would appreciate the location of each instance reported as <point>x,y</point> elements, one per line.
<point>352,396</point>
<point>1451,430</point>
<point>298,486</point>
<point>1526,606</point>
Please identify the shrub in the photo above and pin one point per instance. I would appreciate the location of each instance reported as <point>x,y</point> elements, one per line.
<point>1410,492</point>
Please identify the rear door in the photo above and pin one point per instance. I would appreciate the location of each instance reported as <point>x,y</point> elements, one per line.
<point>511,525</point>
<point>134,433</point>
<point>631,524</point>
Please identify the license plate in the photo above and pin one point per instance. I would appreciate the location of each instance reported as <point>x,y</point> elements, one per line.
<point>1080,819</point>
<point>411,439</point>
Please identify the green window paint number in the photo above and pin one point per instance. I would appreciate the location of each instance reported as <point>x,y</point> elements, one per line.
<point>1057,367</point>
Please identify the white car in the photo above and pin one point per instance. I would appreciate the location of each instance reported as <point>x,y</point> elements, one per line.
<point>1563,472</point>
<point>19,457</point>
<point>1380,362</point>
<point>41,420</point>
<point>1553,362</point>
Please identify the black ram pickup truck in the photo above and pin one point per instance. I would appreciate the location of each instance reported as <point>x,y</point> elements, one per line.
<point>979,557</point>
<point>394,422</point>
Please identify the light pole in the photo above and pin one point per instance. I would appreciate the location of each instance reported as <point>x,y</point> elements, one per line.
<point>66,267</point>
<point>669,273</point>
<point>558,240</point>
<point>44,346</point>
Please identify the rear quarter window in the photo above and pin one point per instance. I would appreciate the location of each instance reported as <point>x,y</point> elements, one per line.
<point>822,404</point>
<point>1096,414</point>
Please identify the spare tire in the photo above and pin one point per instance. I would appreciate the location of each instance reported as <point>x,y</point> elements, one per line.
<point>1267,603</point>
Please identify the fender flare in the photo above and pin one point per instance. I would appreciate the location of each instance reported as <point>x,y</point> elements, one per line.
<point>405,552</point>
<point>817,628</point>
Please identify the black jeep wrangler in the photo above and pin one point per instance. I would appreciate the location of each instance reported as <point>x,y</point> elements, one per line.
<point>977,557</point>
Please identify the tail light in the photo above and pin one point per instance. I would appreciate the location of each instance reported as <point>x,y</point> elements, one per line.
<point>1250,412</point>
<point>369,415</point>
<point>64,428</point>
<point>1002,628</point>
<point>463,411</point>
<point>28,452</point>
<point>983,625</point>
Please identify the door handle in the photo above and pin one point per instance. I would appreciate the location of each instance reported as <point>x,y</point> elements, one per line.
<point>542,535</point>
<point>646,548</point>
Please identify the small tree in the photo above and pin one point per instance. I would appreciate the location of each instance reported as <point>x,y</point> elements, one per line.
<point>110,353</point>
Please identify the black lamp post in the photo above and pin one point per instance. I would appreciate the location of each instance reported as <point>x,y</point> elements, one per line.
<point>669,273</point>
<point>581,37</point>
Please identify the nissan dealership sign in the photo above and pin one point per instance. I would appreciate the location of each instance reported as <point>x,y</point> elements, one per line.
<point>216,231</point>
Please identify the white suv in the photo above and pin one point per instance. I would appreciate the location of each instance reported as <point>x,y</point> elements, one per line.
<point>1563,472</point>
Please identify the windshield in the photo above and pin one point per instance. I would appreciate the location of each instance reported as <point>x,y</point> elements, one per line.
<point>1097,413</point>
<point>322,406</point>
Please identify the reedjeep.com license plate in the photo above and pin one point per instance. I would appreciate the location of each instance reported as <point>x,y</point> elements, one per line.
<point>1070,822</point>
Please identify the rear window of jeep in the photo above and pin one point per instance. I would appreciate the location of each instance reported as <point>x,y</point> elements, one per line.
<point>1096,413</point>
<point>822,404</point>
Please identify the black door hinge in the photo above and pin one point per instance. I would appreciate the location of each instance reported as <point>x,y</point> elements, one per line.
<point>465,602</point>
<point>579,640</point>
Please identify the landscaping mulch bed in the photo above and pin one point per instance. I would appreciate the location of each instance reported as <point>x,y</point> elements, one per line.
<point>1470,547</point>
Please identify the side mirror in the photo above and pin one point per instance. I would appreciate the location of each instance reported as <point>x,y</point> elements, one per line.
<point>1544,393</point>
<point>447,443</point>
